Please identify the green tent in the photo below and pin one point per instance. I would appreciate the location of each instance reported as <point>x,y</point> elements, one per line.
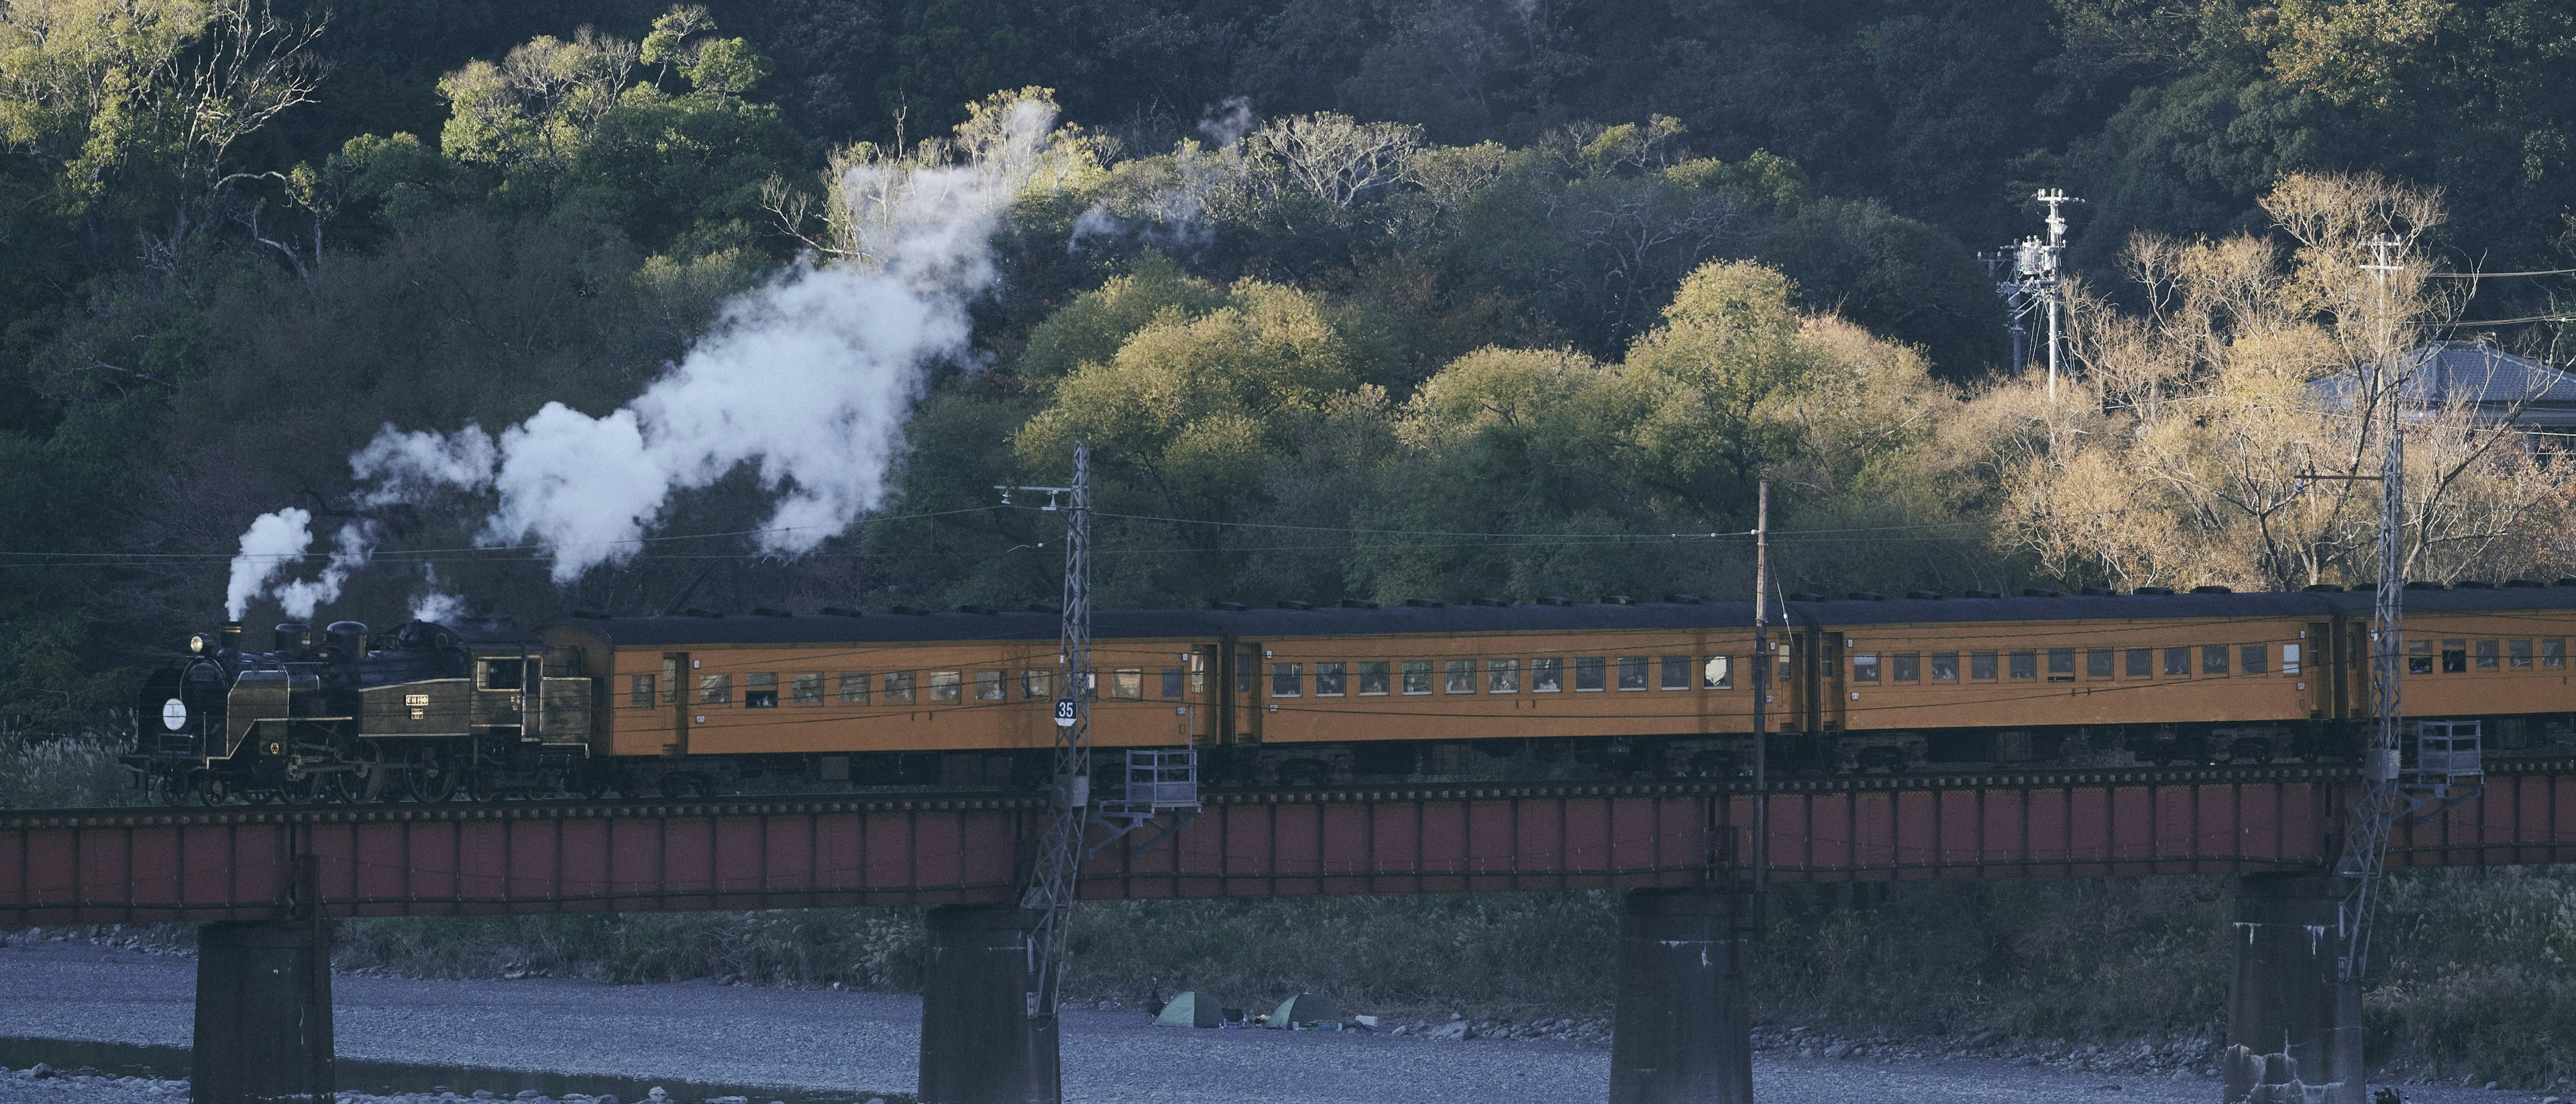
<point>1306,1010</point>
<point>1192,1009</point>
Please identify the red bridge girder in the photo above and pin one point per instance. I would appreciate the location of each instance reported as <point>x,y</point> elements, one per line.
<point>99,866</point>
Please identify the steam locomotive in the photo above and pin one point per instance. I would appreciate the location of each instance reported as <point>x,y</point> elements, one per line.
<point>424,713</point>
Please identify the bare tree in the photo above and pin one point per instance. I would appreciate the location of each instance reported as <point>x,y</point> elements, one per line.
<point>2193,452</point>
<point>1333,157</point>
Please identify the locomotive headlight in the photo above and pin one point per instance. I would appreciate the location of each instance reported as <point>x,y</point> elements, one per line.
<point>200,644</point>
<point>174,714</point>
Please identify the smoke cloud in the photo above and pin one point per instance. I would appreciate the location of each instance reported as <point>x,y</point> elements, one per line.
<point>808,380</point>
<point>277,542</point>
<point>1227,122</point>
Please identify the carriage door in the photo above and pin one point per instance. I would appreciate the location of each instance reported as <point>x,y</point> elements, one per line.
<point>1790,703</point>
<point>1244,694</point>
<point>2312,665</point>
<point>1199,697</point>
<point>675,697</point>
<point>1831,673</point>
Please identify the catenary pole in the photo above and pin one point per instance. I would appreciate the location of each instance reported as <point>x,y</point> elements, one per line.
<point>1052,878</point>
<point>1761,693</point>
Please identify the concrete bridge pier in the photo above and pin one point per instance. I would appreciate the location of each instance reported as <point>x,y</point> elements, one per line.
<point>1680,1035</point>
<point>979,1045</point>
<point>263,1032</point>
<point>2293,1028</point>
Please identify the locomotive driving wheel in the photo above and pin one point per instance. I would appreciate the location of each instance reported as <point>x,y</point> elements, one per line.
<point>432,779</point>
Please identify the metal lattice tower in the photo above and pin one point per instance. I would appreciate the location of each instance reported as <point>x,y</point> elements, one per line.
<point>2374,813</point>
<point>1052,877</point>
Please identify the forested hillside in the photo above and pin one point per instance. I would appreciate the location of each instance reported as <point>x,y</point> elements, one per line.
<point>1356,298</point>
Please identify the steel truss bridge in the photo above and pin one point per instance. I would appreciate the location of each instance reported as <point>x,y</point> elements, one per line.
<point>252,862</point>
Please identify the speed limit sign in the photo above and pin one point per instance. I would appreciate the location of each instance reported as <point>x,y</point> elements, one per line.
<point>1064,713</point>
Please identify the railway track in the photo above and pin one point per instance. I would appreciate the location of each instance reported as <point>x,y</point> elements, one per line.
<point>958,801</point>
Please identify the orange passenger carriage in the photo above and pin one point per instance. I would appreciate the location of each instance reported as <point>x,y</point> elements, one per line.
<point>1300,696</point>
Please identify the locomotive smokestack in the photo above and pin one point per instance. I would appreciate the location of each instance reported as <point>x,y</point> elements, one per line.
<point>231,636</point>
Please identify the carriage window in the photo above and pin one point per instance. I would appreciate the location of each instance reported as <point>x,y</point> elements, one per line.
<point>2025,665</point>
<point>2518,653</point>
<point>1547,676</point>
<point>1128,682</point>
<point>1331,679</point>
<point>2290,659</point>
<point>945,685</point>
<point>2419,657</point>
<point>1717,674</point>
<point>1171,682</point>
<point>1588,671</point>
<point>639,691</point>
<point>2249,659</point>
<point>2142,662</point>
<point>1864,667</point>
<point>2455,656</point>
<point>988,685</point>
<point>1632,672</point>
<point>2486,655</point>
<point>854,689</point>
<point>809,689</point>
<point>715,690</point>
<point>2097,663</point>
<point>1675,673</point>
<point>898,686</point>
<point>760,690</point>
<point>1906,667</point>
<point>1503,676</point>
<point>1287,680</point>
<point>2213,659</point>
<point>1981,666</point>
<point>1373,677</point>
<point>1945,666</point>
<point>2553,652</point>
<point>2177,661</point>
<point>1037,685</point>
<point>2061,662</point>
<point>1458,676</point>
<point>504,674</point>
<point>1417,676</point>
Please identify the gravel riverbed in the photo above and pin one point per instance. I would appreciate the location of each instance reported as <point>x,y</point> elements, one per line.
<point>861,1043</point>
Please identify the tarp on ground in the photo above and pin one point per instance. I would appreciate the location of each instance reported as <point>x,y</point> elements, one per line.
<point>1306,1008</point>
<point>1192,1009</point>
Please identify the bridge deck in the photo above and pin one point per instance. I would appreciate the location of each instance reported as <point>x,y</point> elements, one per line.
<point>126,865</point>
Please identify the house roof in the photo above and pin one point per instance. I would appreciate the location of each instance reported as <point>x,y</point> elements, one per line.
<point>2495,384</point>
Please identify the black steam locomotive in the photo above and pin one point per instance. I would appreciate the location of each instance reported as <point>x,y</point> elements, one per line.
<point>345,719</point>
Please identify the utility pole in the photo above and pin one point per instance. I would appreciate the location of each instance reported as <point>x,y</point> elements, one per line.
<point>2374,813</point>
<point>1052,878</point>
<point>1761,693</point>
<point>2036,284</point>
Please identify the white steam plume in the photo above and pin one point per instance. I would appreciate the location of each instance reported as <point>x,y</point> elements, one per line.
<point>808,379</point>
<point>1227,122</point>
<point>441,608</point>
<point>278,541</point>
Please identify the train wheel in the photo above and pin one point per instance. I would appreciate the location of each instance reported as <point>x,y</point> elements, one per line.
<point>369,781</point>
<point>433,781</point>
